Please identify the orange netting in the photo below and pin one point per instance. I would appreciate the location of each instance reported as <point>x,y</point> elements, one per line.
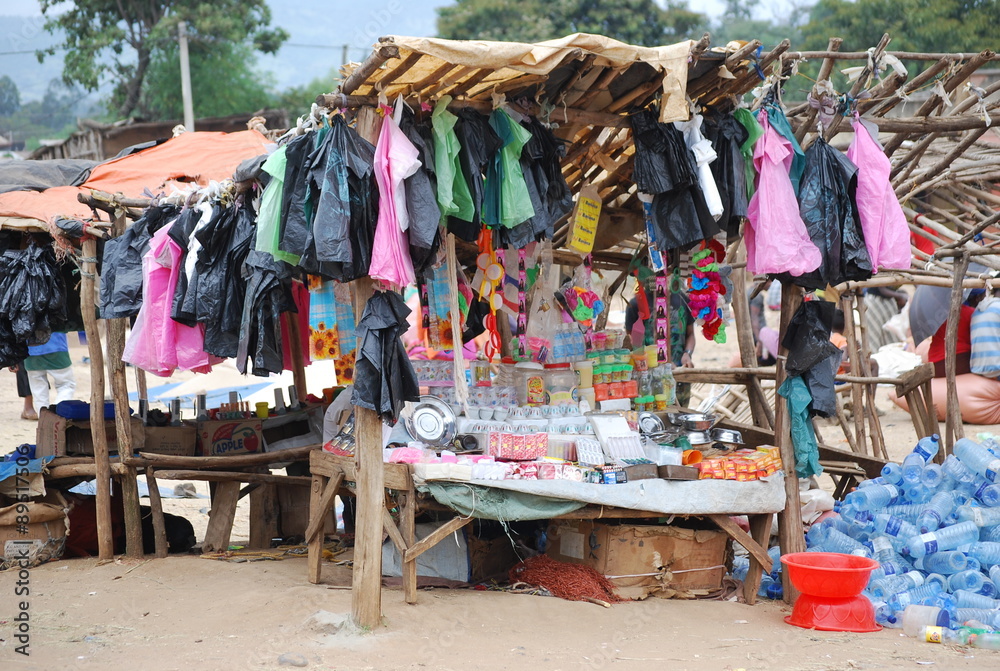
<point>574,582</point>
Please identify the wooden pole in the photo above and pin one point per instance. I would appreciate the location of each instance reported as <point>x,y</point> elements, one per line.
<point>295,349</point>
<point>953,417</point>
<point>366,587</point>
<point>762,414</point>
<point>853,351</point>
<point>88,305</point>
<point>123,423</point>
<point>878,440</point>
<point>824,73</point>
<point>790,534</point>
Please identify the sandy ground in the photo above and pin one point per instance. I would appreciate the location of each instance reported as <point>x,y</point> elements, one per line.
<point>193,613</point>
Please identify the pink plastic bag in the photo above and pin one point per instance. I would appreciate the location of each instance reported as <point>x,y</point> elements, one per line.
<point>886,234</point>
<point>776,237</point>
<point>395,160</point>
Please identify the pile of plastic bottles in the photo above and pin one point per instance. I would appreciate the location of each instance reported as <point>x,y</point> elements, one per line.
<point>933,528</point>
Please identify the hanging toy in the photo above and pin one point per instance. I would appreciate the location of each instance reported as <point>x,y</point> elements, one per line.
<point>706,289</point>
<point>578,297</point>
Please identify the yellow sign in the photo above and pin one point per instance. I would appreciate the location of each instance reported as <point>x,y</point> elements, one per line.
<point>585,217</point>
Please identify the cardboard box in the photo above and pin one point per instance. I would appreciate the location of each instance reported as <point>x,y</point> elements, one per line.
<point>641,472</point>
<point>179,441</point>
<point>294,429</point>
<point>58,436</point>
<point>42,540</point>
<point>677,472</point>
<point>662,557</point>
<point>218,438</point>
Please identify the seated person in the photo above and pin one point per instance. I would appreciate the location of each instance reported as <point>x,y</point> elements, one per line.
<point>963,345</point>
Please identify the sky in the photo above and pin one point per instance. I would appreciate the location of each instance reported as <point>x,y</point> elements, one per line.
<point>317,32</point>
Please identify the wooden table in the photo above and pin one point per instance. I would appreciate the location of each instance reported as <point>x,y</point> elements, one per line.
<point>333,474</point>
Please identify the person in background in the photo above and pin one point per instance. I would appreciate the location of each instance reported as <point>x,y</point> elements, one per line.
<point>882,304</point>
<point>984,330</point>
<point>51,359</point>
<point>963,344</point>
<point>24,391</point>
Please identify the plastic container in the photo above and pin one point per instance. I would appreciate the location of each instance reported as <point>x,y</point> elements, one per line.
<point>925,594</point>
<point>886,587</point>
<point>913,466</point>
<point>947,538</point>
<point>560,384</point>
<point>897,527</point>
<point>932,476</point>
<point>831,586</point>
<point>978,459</point>
<point>584,373</point>
<point>529,381</point>
<point>956,470</point>
<point>917,617</point>
<point>838,542</point>
<point>893,473</point>
<point>969,599</point>
<point>927,447</point>
<point>945,563</point>
<point>937,579</point>
<point>874,497</point>
<point>970,581</point>
<point>987,553</point>
<point>981,517</point>
<point>934,634</point>
<point>935,511</point>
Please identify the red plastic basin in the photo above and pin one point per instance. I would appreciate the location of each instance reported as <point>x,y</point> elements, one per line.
<point>828,574</point>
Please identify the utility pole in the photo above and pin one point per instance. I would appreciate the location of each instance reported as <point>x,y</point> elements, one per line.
<point>185,77</point>
<point>344,53</point>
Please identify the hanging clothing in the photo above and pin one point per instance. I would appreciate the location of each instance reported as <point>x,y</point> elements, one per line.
<point>754,131</point>
<point>421,192</point>
<point>453,195</point>
<point>384,377</point>
<point>803,437</point>
<point>828,209</point>
<point>479,143</point>
<point>157,343</point>
<point>507,201</point>
<point>727,135</point>
<point>776,237</point>
<point>184,307</point>
<point>121,263</point>
<point>887,235</point>
<point>665,168</point>
<point>704,156</point>
<point>395,159</point>
<point>268,294</point>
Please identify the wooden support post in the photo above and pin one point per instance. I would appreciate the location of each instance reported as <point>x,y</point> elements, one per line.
<point>864,360</point>
<point>790,533</point>
<point>295,349</point>
<point>220,520</point>
<point>953,417</point>
<point>123,423</point>
<point>140,383</point>
<point>762,415</point>
<point>88,305</point>
<point>857,393</point>
<point>156,510</point>
<point>760,532</point>
<point>315,556</point>
<point>408,529</point>
<point>264,514</point>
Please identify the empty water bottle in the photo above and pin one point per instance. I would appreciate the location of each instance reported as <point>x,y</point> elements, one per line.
<point>916,617</point>
<point>990,534</point>
<point>890,525</point>
<point>775,555</point>
<point>892,473</point>
<point>913,466</point>
<point>987,553</point>
<point>932,476</point>
<point>884,615</point>
<point>927,447</point>
<point>970,581</point>
<point>874,481</point>
<point>989,617</point>
<point>908,511</point>
<point>741,565</point>
<point>947,538</point>
<point>938,579</point>
<point>914,492</point>
<point>995,576</point>
<point>985,492</point>
<point>925,595</point>
<point>886,587</point>
<point>945,563</point>
<point>836,541</point>
<point>981,517</point>
<point>988,589</point>
<point>978,459</point>
<point>935,511</point>
<point>967,599</point>
<point>956,470</point>
<point>873,498</point>
<point>973,564</point>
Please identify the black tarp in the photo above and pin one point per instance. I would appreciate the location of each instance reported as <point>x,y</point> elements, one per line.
<point>18,175</point>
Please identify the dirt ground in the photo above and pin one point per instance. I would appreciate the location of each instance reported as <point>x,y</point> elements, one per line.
<point>193,613</point>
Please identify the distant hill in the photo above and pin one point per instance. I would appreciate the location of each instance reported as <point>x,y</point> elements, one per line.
<point>24,34</point>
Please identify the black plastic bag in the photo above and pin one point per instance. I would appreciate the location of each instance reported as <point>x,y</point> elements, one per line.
<point>808,337</point>
<point>821,380</point>
<point>479,143</point>
<point>384,378</point>
<point>32,300</point>
<point>294,234</point>
<point>222,336</point>
<point>729,169</point>
<point>268,294</point>
<point>827,206</point>
<point>421,196</point>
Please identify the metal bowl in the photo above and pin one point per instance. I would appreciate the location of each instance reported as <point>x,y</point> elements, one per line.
<point>699,437</point>
<point>728,436</point>
<point>651,423</point>
<point>430,420</point>
<point>694,421</point>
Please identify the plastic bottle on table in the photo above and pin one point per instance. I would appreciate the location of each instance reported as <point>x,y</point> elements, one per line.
<point>935,511</point>
<point>967,599</point>
<point>981,517</point>
<point>914,618</point>
<point>970,581</point>
<point>978,459</point>
<point>893,473</point>
<point>925,594</point>
<point>927,447</point>
<point>913,466</point>
<point>932,476</point>
<point>947,538</point>
<point>987,553</point>
<point>945,563</point>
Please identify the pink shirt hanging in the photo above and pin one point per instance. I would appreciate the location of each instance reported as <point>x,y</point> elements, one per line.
<point>776,237</point>
<point>395,159</point>
<point>887,235</point>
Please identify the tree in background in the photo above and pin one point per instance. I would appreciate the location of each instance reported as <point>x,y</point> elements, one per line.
<point>914,25</point>
<point>642,22</point>
<point>10,97</point>
<point>120,40</point>
<point>738,23</point>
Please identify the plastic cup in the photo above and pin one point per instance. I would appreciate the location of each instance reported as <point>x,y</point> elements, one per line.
<point>650,356</point>
<point>262,408</point>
